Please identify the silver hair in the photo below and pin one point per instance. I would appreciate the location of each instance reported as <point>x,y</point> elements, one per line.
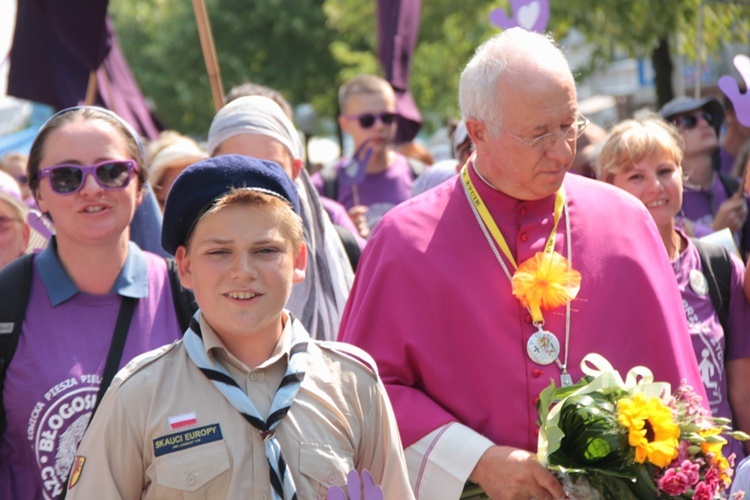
<point>478,88</point>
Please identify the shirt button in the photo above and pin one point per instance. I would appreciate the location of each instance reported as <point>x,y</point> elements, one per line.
<point>524,237</point>
<point>536,372</point>
<point>536,400</point>
<point>331,479</point>
<point>253,377</point>
<point>523,210</point>
<point>190,480</point>
<point>527,318</point>
<point>536,432</point>
<point>263,497</point>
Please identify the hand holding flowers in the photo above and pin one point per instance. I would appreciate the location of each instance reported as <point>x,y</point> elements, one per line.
<point>609,438</point>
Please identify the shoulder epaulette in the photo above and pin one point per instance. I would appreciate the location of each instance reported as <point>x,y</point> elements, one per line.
<point>351,351</point>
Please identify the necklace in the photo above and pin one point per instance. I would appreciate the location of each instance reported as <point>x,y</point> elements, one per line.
<point>543,346</point>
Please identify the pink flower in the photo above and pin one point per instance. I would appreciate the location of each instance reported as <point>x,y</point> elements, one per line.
<point>691,471</point>
<point>673,482</point>
<point>712,476</point>
<point>704,491</point>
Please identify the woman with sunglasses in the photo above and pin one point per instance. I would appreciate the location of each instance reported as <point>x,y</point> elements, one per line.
<point>711,200</point>
<point>85,170</point>
<point>644,158</point>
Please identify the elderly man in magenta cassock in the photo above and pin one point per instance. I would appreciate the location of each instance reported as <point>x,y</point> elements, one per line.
<point>462,357</point>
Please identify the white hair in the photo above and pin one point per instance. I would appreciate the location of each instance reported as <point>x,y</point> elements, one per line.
<point>478,88</point>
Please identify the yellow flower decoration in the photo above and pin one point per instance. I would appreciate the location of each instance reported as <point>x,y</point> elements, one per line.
<point>545,281</point>
<point>714,446</point>
<point>652,429</point>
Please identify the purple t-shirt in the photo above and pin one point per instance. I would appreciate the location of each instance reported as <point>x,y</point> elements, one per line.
<point>713,346</point>
<point>54,377</point>
<point>378,192</point>
<point>700,207</point>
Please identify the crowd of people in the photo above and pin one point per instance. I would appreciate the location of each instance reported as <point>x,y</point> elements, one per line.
<point>275,329</point>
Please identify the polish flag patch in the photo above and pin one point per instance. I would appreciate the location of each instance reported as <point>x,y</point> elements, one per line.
<point>184,420</point>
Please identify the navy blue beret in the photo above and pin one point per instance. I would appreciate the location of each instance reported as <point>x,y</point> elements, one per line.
<point>197,188</point>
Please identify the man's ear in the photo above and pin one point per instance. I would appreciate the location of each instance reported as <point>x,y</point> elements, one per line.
<point>477,131</point>
<point>300,264</point>
<point>296,168</point>
<point>184,267</point>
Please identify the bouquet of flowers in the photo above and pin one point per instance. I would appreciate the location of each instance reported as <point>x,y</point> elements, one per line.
<point>607,438</point>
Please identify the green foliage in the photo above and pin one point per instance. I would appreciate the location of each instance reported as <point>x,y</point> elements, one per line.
<point>281,44</point>
<point>307,48</point>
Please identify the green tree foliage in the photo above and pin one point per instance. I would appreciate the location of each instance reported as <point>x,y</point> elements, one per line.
<point>307,48</point>
<point>448,35</point>
<point>278,43</point>
<point>638,27</point>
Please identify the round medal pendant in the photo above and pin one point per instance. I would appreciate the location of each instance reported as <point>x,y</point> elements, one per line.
<point>543,347</point>
<point>698,282</point>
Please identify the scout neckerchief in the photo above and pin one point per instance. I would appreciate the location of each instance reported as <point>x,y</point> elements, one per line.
<point>281,479</point>
<point>545,281</point>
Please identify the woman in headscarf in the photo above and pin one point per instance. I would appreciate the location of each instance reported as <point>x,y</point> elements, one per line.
<point>256,126</point>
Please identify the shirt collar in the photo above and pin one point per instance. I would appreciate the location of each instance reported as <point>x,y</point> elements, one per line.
<point>212,342</point>
<point>131,282</point>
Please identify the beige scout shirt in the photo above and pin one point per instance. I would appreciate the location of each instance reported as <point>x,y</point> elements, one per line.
<point>340,420</point>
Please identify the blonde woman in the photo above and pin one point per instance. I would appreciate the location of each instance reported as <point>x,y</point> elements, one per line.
<point>643,157</point>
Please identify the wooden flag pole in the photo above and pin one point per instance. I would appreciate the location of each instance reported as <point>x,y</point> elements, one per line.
<point>209,53</point>
<point>91,90</point>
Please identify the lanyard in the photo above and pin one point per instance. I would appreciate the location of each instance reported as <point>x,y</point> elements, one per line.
<point>490,224</point>
<point>548,267</point>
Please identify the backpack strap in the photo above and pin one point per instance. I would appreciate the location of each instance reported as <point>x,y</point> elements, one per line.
<point>184,300</point>
<point>15,289</point>
<point>717,268</point>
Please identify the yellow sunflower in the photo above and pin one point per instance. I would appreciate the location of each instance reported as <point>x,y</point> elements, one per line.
<point>652,431</point>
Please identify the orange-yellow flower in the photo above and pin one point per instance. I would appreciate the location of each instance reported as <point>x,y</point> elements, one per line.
<point>714,447</point>
<point>652,431</point>
<point>545,281</point>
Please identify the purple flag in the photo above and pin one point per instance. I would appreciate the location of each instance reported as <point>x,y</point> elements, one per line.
<point>398,26</point>
<point>56,45</point>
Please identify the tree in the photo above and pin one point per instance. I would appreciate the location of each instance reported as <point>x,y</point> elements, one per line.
<point>307,48</point>
<point>652,29</point>
<point>281,44</point>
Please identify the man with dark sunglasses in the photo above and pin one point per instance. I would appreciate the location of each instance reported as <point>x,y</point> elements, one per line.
<point>375,178</point>
<point>711,200</point>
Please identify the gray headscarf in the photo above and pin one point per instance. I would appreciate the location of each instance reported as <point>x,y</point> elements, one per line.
<point>319,300</point>
<point>254,115</point>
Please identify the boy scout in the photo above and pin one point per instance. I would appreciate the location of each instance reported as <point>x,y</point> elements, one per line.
<point>246,405</point>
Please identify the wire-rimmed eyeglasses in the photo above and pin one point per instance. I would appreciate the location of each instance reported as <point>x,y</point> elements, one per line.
<point>545,141</point>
